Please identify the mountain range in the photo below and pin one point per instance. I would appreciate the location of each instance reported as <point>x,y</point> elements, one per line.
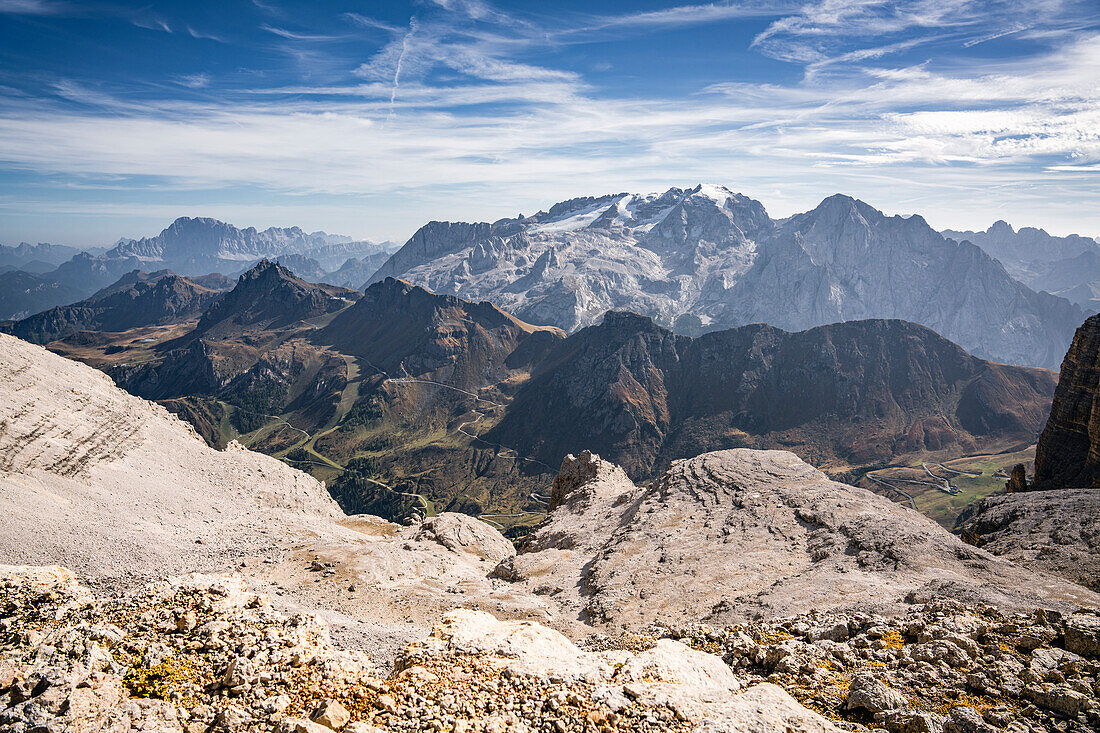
<point>469,407</point>
<point>1066,266</point>
<point>135,300</point>
<point>196,246</point>
<point>850,393</point>
<point>43,276</point>
<point>706,258</point>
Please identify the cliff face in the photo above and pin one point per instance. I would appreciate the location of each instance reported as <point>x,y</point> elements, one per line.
<point>1068,454</point>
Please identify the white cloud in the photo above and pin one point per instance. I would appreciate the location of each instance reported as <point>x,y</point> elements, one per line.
<point>35,7</point>
<point>194,81</point>
<point>458,102</point>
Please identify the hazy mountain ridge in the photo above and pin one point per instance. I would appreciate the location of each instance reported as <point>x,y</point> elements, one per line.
<point>137,299</point>
<point>708,258</point>
<point>191,247</point>
<point>201,245</point>
<point>1066,266</point>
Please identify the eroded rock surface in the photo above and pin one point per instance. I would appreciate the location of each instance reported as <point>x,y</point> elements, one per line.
<point>740,533</point>
<point>1057,532</point>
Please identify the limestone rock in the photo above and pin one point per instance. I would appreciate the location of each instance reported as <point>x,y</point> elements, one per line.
<point>1068,453</point>
<point>870,694</point>
<point>331,714</point>
<point>1056,531</point>
<point>463,533</point>
<point>734,533</point>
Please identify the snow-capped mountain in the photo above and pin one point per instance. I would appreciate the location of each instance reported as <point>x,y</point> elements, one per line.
<point>707,258</point>
<point>658,254</point>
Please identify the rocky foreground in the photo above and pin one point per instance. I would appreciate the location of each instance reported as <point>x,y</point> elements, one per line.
<point>202,653</point>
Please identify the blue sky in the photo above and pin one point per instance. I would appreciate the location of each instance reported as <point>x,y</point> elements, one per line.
<point>370,118</point>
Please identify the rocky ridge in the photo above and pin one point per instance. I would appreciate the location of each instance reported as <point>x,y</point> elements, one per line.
<point>1066,266</point>
<point>1068,452</point>
<point>843,394</point>
<point>136,300</point>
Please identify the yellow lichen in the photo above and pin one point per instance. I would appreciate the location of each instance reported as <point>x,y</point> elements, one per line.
<point>893,640</point>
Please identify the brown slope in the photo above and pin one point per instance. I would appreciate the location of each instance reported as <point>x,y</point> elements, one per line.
<point>847,393</point>
<point>269,296</point>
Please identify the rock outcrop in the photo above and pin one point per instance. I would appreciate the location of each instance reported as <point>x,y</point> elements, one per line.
<point>75,449</point>
<point>1056,531</point>
<point>1053,522</point>
<point>740,533</point>
<point>1068,453</point>
<point>122,491</point>
<point>848,393</point>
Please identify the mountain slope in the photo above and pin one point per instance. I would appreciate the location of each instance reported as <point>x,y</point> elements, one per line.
<point>707,258</point>
<point>406,331</point>
<point>267,297</point>
<point>22,293</point>
<point>850,393</point>
<point>136,300</point>
<point>357,270</point>
<point>76,448</point>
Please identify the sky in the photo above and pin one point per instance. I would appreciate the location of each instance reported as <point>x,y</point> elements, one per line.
<point>371,118</point>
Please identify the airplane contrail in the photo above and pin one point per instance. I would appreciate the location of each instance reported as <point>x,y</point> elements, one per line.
<point>397,69</point>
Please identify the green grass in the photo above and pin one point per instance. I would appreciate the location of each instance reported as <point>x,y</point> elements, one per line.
<point>944,508</point>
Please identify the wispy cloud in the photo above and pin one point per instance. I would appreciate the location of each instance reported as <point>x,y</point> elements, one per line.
<point>296,36</point>
<point>693,14</point>
<point>194,81</point>
<point>467,96</point>
<point>204,35</point>
<point>36,7</point>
